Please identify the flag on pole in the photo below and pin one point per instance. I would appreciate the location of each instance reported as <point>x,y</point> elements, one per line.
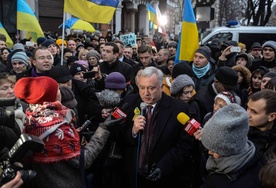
<point>97,11</point>
<point>161,28</point>
<point>27,21</point>
<point>152,15</point>
<point>188,38</point>
<point>9,41</point>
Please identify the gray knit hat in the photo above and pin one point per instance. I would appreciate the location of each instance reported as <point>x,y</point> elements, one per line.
<point>20,57</point>
<point>18,46</point>
<point>180,82</point>
<point>226,132</point>
<point>271,44</point>
<point>206,51</point>
<point>93,53</point>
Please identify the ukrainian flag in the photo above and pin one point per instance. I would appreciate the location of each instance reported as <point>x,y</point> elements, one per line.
<point>27,21</point>
<point>188,38</point>
<point>9,41</point>
<point>97,11</point>
<point>152,15</point>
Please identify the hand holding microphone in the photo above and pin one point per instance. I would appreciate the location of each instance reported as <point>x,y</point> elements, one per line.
<point>140,121</point>
<point>191,126</point>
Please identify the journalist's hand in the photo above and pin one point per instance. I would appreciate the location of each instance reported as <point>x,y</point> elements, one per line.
<point>109,122</point>
<point>155,174</point>
<point>15,183</point>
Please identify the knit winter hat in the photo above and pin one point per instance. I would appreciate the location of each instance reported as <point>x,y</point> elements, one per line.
<point>82,62</point>
<point>47,43</point>
<point>40,40</point>
<point>93,53</point>
<point>270,75</point>
<point>20,57</point>
<point>227,96</point>
<point>75,68</point>
<point>182,68</point>
<point>256,45</point>
<point>36,90</point>
<point>180,82</point>
<point>226,132</point>
<point>206,51</point>
<point>246,57</point>
<point>271,44</point>
<point>115,80</point>
<point>68,97</point>
<point>228,77</point>
<point>18,46</point>
<point>59,42</point>
<point>60,73</point>
<point>172,44</point>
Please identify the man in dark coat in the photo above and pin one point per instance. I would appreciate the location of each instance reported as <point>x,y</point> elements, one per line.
<point>159,152</point>
<point>111,63</point>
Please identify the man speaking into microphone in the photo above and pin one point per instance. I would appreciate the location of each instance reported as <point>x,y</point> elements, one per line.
<point>158,150</point>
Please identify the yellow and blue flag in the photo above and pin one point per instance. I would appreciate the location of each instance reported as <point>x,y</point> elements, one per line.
<point>27,21</point>
<point>152,15</point>
<point>9,41</point>
<point>188,38</point>
<point>97,11</point>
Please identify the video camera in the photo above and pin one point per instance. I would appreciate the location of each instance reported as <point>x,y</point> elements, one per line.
<point>11,165</point>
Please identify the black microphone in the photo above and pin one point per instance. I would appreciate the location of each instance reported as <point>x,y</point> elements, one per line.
<point>143,106</point>
<point>190,125</point>
<point>119,112</point>
<point>109,98</point>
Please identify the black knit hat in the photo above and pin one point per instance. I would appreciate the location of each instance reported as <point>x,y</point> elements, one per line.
<point>75,68</point>
<point>182,67</point>
<point>206,51</point>
<point>60,73</point>
<point>256,45</point>
<point>48,42</point>
<point>227,77</point>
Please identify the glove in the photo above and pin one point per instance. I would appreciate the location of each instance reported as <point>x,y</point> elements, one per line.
<point>155,174</point>
<point>109,122</point>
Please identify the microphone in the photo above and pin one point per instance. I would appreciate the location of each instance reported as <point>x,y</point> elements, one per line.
<point>143,106</point>
<point>119,112</point>
<point>109,98</point>
<point>191,125</point>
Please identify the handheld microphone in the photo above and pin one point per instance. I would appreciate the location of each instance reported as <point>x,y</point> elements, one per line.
<point>119,112</point>
<point>109,98</point>
<point>191,125</point>
<point>143,106</point>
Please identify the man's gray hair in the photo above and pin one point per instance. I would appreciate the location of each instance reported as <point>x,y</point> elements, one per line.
<point>148,71</point>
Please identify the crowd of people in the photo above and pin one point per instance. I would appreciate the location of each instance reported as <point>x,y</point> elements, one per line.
<point>107,112</point>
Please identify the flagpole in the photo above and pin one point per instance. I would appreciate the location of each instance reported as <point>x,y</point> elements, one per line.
<point>63,32</point>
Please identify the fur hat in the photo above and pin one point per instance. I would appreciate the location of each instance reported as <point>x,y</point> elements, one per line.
<point>206,51</point>
<point>244,71</point>
<point>180,82</point>
<point>68,97</point>
<point>93,53</point>
<point>60,73</point>
<point>48,42</point>
<point>20,57</point>
<point>228,77</point>
<point>115,80</point>
<point>271,44</point>
<point>75,68</point>
<point>36,90</point>
<point>226,132</point>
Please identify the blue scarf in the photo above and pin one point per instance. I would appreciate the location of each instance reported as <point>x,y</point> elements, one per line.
<point>200,72</point>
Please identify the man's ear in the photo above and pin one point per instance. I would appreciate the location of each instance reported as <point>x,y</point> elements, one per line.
<point>272,116</point>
